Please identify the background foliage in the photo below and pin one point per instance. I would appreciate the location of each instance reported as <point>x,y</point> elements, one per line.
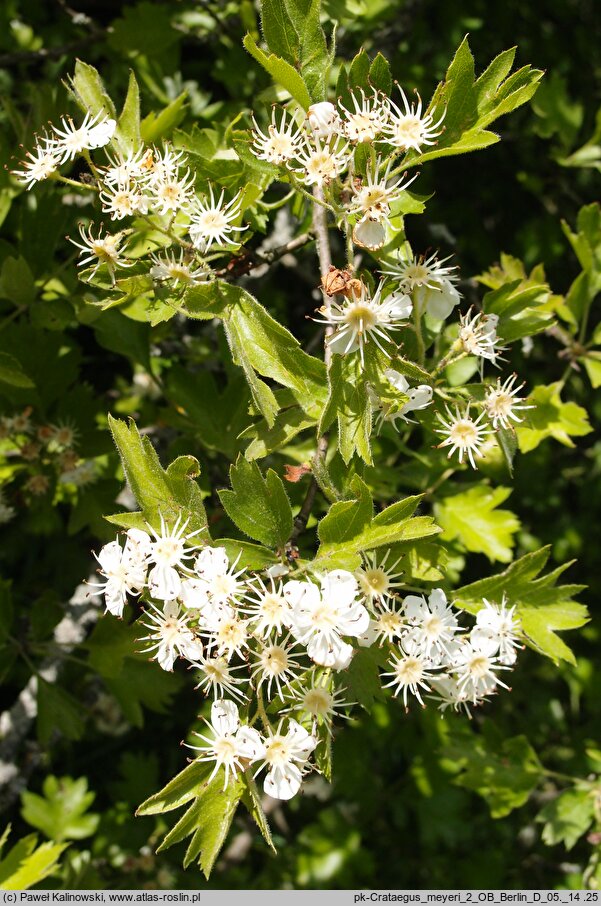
<point>414,797</point>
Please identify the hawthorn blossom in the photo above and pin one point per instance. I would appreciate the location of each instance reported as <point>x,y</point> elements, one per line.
<point>432,283</point>
<point>212,221</point>
<point>169,554</point>
<point>324,120</point>
<point>478,335</point>
<point>319,701</point>
<point>463,434</point>
<point>321,616</point>
<point>320,163</point>
<point>280,143</point>
<point>170,635</point>
<point>434,624</point>
<point>217,676</point>
<point>275,664</point>
<point>362,318</point>
<point>285,757</point>
<point>502,402</point>
<point>498,626</point>
<point>411,671</point>
<point>419,397</point>
<point>124,570</point>
<point>231,745</point>
<point>123,199</point>
<point>376,579</point>
<point>408,129</point>
<point>95,132</point>
<point>122,168</point>
<point>268,609</point>
<point>475,668</point>
<point>367,119</point>
<point>168,266</point>
<point>101,249</point>
<point>40,163</point>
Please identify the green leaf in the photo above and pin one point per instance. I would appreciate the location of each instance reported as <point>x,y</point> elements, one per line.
<point>503,771</point>
<point>551,418</point>
<point>542,606</point>
<point>362,678</point>
<point>251,798</point>
<point>61,812</point>
<point>173,493</point>
<point>473,518</point>
<point>27,864</point>
<point>349,404</point>
<point>258,506</point>
<point>12,373</point>
<point>185,786</point>
<point>111,642</point>
<point>523,302</point>
<point>380,76</point>
<point>156,126</point>
<point>251,556</point>
<point>592,366</point>
<point>470,104</point>
<point>16,281</point>
<point>89,91</point>
<point>140,685</point>
<point>281,72</point>
<point>293,32</point>
<point>586,242</point>
<point>285,428</point>
<point>127,134</point>
<point>218,808</point>
<point>568,817</point>
<point>57,710</point>
<point>349,527</point>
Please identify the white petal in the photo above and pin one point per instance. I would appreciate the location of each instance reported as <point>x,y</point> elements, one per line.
<point>339,344</point>
<point>194,593</point>
<point>114,596</point>
<point>224,716</point>
<point>340,586</point>
<point>441,302</point>
<point>484,640</point>
<point>110,556</point>
<point>166,656</point>
<point>250,744</point>
<point>212,562</point>
<point>401,306</point>
<point>437,601</point>
<point>354,620</point>
<point>100,135</point>
<point>303,741</point>
<point>414,607</point>
<point>398,381</point>
<point>303,595</point>
<point>164,583</point>
<point>283,782</point>
<point>370,234</point>
<point>419,398</point>
<point>367,638</point>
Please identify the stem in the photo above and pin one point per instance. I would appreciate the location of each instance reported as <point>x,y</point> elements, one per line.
<point>73,182</point>
<point>261,710</point>
<point>185,245</point>
<point>450,357</point>
<point>417,326</point>
<point>320,229</point>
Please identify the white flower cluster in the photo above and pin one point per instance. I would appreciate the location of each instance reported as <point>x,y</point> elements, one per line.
<point>320,150</point>
<point>147,181</point>
<point>273,645</point>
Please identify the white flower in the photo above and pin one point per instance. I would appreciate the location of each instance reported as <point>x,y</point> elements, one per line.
<point>321,616</point>
<point>222,583</point>
<point>324,120</point>
<point>169,554</point>
<point>369,233</point>
<point>475,667</point>
<point>123,199</point>
<point>431,281</point>
<point>212,221</point>
<point>388,623</point>
<point>362,318</point>
<point>164,164</point>
<point>169,192</point>
<point>275,664</point>
<point>43,162</point>
<point>448,693</point>
<point>124,168</point>
<point>502,402</point>
<point>231,746</point>
<point>230,635</point>
<point>368,118</point>
<point>167,266</point>
<point>95,132</point>
<point>498,626</point>
<point>463,434</point>
<point>478,335</point>
<point>124,570</point>
<point>285,757</point>
<point>320,164</point>
<point>411,671</point>
<point>217,677</point>
<point>100,249</point>
<point>376,580</point>
<point>171,635</point>
<point>269,611</point>
<point>433,624</point>
<point>320,701</point>
<point>407,128</point>
<point>373,198</point>
<point>281,142</point>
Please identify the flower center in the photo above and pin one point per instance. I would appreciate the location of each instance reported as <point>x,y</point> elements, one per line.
<point>409,671</point>
<point>279,147</point>
<point>361,318</point>
<point>274,660</point>
<point>277,751</point>
<point>409,128</point>
<point>479,666</point>
<point>225,749</point>
<point>464,433</point>
<point>432,627</point>
<point>390,624</point>
<point>375,581</point>
<point>324,617</point>
<point>223,587</point>
<point>169,550</point>
<point>318,702</point>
